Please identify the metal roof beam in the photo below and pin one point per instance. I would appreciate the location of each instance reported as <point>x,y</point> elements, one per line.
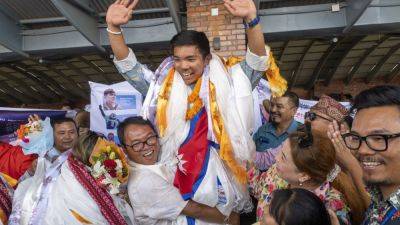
<point>29,91</point>
<point>336,65</point>
<point>318,20</point>
<point>393,74</point>
<point>10,35</point>
<point>321,63</point>
<point>95,67</point>
<point>372,74</point>
<point>299,64</point>
<point>86,24</point>
<point>135,32</point>
<point>354,10</point>
<point>363,58</point>
<point>173,6</point>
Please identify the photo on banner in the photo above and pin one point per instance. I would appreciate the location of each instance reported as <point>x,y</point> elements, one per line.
<point>110,105</point>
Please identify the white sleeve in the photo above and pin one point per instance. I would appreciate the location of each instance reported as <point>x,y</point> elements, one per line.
<point>156,198</point>
<point>127,64</point>
<point>258,63</point>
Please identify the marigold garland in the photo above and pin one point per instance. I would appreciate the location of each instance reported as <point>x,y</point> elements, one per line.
<point>226,150</point>
<point>277,83</point>
<point>162,102</point>
<point>195,100</point>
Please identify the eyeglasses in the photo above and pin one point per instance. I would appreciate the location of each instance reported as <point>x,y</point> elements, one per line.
<point>138,146</point>
<point>313,116</point>
<point>376,142</point>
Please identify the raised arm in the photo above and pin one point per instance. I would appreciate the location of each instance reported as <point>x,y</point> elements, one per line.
<point>119,13</point>
<point>246,10</point>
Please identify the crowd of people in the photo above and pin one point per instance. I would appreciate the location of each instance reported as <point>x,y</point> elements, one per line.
<point>194,156</point>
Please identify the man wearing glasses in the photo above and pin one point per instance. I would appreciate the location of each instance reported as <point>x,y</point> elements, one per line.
<point>375,138</point>
<point>150,187</point>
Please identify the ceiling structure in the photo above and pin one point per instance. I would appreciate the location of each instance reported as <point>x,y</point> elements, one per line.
<point>50,49</point>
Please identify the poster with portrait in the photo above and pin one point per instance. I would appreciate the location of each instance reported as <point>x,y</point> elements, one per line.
<point>110,105</point>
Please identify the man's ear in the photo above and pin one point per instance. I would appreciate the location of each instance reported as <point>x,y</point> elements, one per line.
<point>208,59</point>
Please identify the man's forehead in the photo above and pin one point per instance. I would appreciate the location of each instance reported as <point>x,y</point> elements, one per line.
<point>64,126</point>
<point>375,120</point>
<point>186,51</point>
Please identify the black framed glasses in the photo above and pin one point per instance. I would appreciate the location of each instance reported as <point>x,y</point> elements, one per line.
<point>376,142</point>
<point>138,146</point>
<point>313,116</point>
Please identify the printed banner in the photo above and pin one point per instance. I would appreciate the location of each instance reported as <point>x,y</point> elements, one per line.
<point>12,118</point>
<point>110,105</point>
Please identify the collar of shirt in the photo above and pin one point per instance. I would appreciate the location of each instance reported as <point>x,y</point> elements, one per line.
<point>272,129</point>
<point>377,197</point>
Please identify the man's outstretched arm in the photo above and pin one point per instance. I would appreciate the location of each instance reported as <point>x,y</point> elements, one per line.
<point>246,10</point>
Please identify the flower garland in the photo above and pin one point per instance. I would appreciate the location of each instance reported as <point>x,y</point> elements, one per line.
<point>109,166</point>
<point>195,100</point>
<point>26,129</point>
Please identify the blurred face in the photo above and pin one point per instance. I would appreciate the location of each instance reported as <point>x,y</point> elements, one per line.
<point>110,98</point>
<point>380,168</point>
<point>65,136</point>
<point>267,218</point>
<point>319,126</point>
<point>189,63</point>
<point>285,166</point>
<point>83,130</point>
<point>140,146</point>
<point>282,110</point>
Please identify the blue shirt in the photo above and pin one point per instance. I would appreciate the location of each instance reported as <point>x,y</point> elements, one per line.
<point>267,138</point>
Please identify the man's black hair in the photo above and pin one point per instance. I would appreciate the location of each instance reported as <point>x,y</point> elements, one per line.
<point>53,122</point>
<point>192,37</point>
<point>385,95</point>
<point>293,98</point>
<point>133,120</point>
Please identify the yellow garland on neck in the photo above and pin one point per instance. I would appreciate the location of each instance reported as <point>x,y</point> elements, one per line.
<point>277,83</point>
<point>195,100</point>
<point>226,150</point>
<point>10,181</point>
<point>162,102</point>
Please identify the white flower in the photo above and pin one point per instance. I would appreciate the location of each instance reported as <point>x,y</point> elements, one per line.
<point>119,165</point>
<point>98,170</point>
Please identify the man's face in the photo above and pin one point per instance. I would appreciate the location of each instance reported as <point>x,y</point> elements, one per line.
<point>282,110</point>
<point>137,135</point>
<point>189,63</point>
<point>65,136</point>
<point>110,98</point>
<point>379,168</point>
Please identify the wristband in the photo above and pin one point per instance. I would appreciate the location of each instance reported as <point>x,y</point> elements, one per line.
<point>113,32</point>
<point>252,23</point>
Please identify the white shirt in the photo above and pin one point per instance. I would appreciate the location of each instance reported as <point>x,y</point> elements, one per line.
<point>154,198</point>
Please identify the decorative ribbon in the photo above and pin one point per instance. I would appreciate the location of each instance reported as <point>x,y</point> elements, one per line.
<point>40,205</point>
<point>98,194</point>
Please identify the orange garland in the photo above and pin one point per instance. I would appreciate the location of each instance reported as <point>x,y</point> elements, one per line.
<point>226,151</point>
<point>195,100</point>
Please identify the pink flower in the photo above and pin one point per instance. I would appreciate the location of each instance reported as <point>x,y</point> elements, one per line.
<point>26,140</point>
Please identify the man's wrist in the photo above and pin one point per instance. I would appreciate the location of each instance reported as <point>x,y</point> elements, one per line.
<point>250,17</point>
<point>113,28</point>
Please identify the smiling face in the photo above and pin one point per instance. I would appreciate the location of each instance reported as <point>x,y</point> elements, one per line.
<point>285,166</point>
<point>189,63</point>
<point>282,110</point>
<point>136,134</point>
<point>65,136</point>
<point>379,168</point>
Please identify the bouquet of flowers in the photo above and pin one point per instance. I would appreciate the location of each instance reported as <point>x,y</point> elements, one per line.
<point>109,166</point>
<point>35,137</point>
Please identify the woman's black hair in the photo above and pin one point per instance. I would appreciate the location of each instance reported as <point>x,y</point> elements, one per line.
<point>298,206</point>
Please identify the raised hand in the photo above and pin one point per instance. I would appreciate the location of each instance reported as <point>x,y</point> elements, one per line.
<point>120,12</point>
<point>343,154</point>
<point>245,9</point>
